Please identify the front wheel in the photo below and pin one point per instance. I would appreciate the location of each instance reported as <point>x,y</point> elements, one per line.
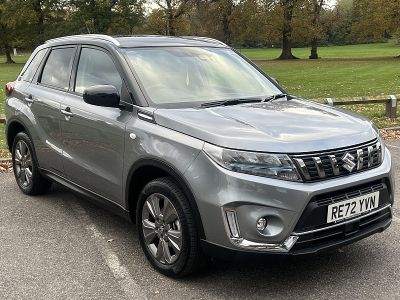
<point>25,167</point>
<point>167,230</point>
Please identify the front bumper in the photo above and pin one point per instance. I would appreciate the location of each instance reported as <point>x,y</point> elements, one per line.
<point>283,203</point>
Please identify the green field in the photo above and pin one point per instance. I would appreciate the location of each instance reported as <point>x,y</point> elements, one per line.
<point>343,71</point>
<point>8,72</point>
<point>329,52</point>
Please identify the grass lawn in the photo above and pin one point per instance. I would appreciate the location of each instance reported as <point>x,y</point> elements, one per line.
<point>9,72</point>
<point>344,71</point>
<point>336,78</point>
<point>341,78</point>
<point>328,52</point>
<point>3,143</point>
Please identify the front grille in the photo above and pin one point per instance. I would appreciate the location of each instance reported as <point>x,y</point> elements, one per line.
<point>340,162</point>
<point>350,193</point>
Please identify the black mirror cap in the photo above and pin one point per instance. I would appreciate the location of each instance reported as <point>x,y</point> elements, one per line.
<point>102,95</point>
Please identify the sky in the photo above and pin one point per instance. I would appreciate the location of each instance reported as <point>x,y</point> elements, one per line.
<point>331,2</point>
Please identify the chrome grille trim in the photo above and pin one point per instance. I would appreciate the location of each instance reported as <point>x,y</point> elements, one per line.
<point>360,159</point>
<point>339,162</point>
<point>303,168</point>
<point>334,164</point>
<point>320,167</point>
<point>370,157</point>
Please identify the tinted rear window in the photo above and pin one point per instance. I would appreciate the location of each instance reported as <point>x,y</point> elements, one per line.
<point>57,70</point>
<point>30,71</point>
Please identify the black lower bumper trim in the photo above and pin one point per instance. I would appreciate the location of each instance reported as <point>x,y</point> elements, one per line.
<point>221,252</point>
<point>342,239</point>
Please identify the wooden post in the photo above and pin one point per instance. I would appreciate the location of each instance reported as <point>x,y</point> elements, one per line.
<point>391,107</point>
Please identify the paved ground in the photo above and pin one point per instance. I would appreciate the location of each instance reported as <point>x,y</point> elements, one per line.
<point>60,246</point>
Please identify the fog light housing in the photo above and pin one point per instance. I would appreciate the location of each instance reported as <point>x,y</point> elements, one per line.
<point>232,223</point>
<point>261,224</point>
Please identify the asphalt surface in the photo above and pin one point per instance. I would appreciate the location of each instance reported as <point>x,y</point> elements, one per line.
<point>60,246</point>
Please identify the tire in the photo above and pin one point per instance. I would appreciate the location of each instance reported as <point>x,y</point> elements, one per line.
<point>173,264</point>
<point>25,167</point>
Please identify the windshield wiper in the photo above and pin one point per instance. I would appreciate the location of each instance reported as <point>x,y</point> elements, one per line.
<point>277,96</point>
<point>231,102</point>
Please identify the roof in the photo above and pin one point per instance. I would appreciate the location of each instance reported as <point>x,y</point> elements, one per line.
<point>142,40</point>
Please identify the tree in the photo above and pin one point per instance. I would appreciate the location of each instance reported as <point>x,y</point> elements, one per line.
<point>375,19</point>
<point>249,24</point>
<point>173,10</point>
<point>95,14</point>
<point>287,28</point>
<point>226,8</point>
<point>336,22</point>
<point>128,17</point>
<point>217,18</point>
<point>315,23</point>
<point>8,24</point>
<point>38,9</point>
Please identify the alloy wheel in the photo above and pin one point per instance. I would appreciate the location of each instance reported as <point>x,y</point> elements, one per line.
<point>161,229</point>
<point>23,163</point>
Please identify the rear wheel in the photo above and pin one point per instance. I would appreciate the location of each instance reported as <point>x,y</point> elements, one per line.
<point>167,230</point>
<point>25,167</point>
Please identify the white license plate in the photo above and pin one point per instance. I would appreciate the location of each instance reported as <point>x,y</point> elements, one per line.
<point>352,207</point>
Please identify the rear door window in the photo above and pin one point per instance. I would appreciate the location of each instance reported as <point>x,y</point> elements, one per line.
<point>57,70</point>
<point>96,68</point>
<point>30,71</point>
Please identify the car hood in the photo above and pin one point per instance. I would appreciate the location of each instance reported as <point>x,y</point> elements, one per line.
<point>293,126</point>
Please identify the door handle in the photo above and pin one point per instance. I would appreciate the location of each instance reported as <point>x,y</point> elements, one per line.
<point>29,99</point>
<point>67,112</point>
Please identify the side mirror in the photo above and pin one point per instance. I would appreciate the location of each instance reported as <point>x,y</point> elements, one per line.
<point>102,95</point>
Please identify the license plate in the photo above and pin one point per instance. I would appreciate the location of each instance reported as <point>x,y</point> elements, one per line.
<point>352,207</point>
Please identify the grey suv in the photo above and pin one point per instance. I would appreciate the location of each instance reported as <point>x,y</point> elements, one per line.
<point>197,146</point>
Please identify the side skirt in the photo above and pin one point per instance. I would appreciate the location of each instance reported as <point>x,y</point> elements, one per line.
<point>91,196</point>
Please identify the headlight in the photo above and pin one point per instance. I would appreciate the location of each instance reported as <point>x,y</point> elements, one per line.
<point>255,163</point>
<point>381,151</point>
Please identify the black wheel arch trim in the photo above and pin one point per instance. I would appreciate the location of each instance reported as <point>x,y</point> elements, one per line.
<point>176,175</point>
<point>13,120</point>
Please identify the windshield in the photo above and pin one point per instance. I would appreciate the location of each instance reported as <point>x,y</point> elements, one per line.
<point>172,75</point>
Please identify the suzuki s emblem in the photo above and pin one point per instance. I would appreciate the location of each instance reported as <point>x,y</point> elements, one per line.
<point>348,162</point>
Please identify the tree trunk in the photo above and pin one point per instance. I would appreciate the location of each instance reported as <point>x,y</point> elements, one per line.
<point>171,24</point>
<point>314,49</point>
<point>170,18</point>
<point>315,23</point>
<point>288,6</point>
<point>37,7</point>
<point>226,21</point>
<point>8,55</point>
